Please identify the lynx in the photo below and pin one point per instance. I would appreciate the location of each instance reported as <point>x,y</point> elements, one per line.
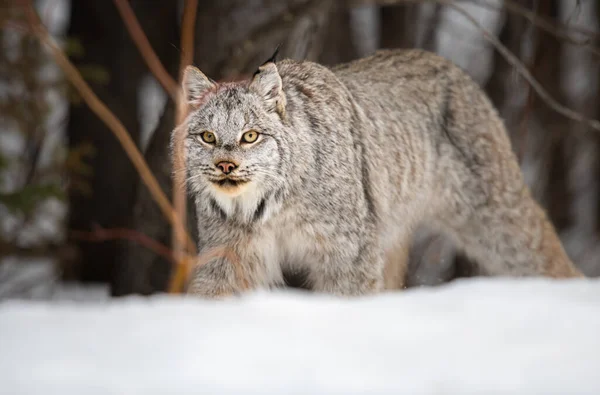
<point>330,170</point>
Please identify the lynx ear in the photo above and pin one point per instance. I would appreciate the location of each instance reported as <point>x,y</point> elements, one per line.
<point>195,84</point>
<point>267,84</point>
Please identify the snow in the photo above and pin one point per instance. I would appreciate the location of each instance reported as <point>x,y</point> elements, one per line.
<point>151,103</point>
<point>500,336</point>
<point>37,279</point>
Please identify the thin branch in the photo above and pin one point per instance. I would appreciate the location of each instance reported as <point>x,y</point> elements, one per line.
<point>101,234</point>
<point>172,87</point>
<point>11,248</point>
<point>184,271</point>
<point>16,26</point>
<point>528,107</point>
<point>104,113</point>
<point>188,25</point>
<point>508,56</point>
<point>525,73</point>
<point>143,45</point>
<point>551,26</point>
<point>554,28</point>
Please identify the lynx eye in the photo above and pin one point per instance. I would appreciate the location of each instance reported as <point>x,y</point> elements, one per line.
<point>250,136</point>
<point>208,137</point>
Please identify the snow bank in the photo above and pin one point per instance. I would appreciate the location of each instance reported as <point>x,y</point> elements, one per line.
<point>470,337</point>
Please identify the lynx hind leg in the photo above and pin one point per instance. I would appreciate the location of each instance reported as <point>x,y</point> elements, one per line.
<point>490,212</point>
<point>512,240</point>
<point>483,199</point>
<point>518,241</point>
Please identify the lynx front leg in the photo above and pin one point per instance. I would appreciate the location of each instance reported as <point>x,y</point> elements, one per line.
<point>216,279</point>
<point>234,271</point>
<point>350,274</point>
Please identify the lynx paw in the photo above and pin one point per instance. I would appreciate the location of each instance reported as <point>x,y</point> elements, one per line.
<point>206,291</point>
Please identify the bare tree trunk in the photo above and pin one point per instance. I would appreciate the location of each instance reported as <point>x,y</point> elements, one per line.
<point>399,26</point>
<point>140,270</point>
<point>543,144</point>
<point>580,83</point>
<point>112,185</point>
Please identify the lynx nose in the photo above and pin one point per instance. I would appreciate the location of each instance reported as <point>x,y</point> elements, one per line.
<point>226,167</point>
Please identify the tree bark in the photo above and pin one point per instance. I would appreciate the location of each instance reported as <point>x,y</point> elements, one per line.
<point>105,43</point>
<point>140,270</point>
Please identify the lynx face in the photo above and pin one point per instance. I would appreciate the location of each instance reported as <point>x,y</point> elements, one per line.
<point>233,144</point>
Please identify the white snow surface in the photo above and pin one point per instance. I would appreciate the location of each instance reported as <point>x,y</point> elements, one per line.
<point>479,336</point>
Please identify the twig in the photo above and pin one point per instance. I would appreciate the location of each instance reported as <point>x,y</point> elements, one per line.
<point>104,113</point>
<point>173,88</point>
<point>102,234</point>
<point>525,73</point>
<point>555,28</point>
<point>19,27</point>
<point>220,252</point>
<point>530,99</point>
<point>188,25</point>
<point>509,57</point>
<point>143,45</point>
<point>549,25</point>
<point>182,266</point>
<point>11,248</point>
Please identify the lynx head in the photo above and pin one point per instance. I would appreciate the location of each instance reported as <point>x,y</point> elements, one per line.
<point>234,140</point>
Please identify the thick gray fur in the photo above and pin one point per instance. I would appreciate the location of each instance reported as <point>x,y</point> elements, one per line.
<point>350,160</point>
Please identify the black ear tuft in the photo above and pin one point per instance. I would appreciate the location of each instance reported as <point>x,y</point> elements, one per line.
<point>272,59</point>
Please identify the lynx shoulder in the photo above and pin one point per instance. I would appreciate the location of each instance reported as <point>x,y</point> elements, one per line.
<point>329,171</point>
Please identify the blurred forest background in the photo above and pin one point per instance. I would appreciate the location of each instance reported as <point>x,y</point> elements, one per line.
<point>73,209</point>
